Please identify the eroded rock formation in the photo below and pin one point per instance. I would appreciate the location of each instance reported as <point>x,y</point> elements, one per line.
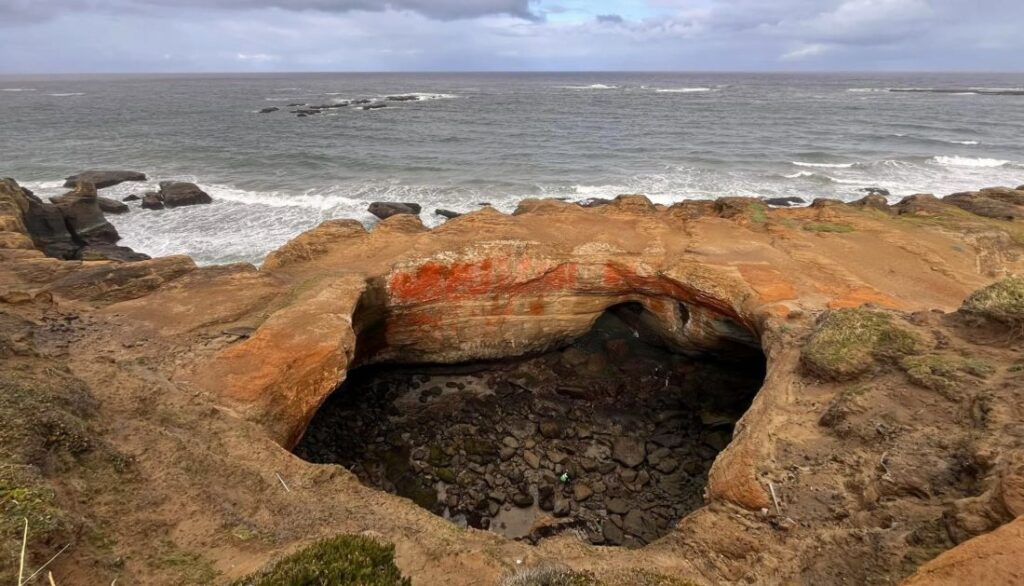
<point>854,463</point>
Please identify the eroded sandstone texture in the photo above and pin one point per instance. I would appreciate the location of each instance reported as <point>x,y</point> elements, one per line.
<point>855,462</point>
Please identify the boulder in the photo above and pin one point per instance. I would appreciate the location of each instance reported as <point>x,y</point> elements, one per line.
<point>84,218</point>
<point>110,252</point>
<point>386,209</point>
<point>182,193</point>
<point>403,98</point>
<point>873,201</point>
<point>628,451</point>
<point>111,206</point>
<point>151,201</point>
<point>784,202</point>
<point>269,110</point>
<point>45,224</point>
<point>131,197</point>
<point>447,213</point>
<point>374,106</point>
<point>102,179</point>
<point>993,204</point>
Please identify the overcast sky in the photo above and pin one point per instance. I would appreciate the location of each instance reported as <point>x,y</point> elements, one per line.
<point>47,36</point>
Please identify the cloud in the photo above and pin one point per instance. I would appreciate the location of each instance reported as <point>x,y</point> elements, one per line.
<point>37,10</point>
<point>804,52</point>
<point>609,18</point>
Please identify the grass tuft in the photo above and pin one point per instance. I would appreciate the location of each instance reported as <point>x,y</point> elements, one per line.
<point>944,373</point>
<point>345,560</point>
<point>848,342</point>
<point>1002,301</point>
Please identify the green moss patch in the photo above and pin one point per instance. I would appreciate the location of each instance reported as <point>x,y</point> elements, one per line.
<point>345,560</point>
<point>944,373</point>
<point>848,342</point>
<point>1002,301</point>
<point>828,227</point>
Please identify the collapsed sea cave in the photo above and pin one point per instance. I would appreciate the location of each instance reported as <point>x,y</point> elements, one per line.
<point>610,436</point>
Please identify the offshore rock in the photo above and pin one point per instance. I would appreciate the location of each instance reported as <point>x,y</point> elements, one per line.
<point>182,193</point>
<point>102,179</point>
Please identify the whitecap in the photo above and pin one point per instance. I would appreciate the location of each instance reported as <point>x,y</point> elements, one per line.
<point>958,161</point>
<point>964,142</point>
<point>18,89</point>
<point>67,94</point>
<point>825,165</point>
<point>682,90</point>
<point>593,86</point>
<point>864,90</point>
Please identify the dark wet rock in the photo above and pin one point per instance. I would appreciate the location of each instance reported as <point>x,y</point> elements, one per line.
<point>447,213</point>
<point>551,429</point>
<point>84,218</point>
<point>110,252</point>
<point>375,106</point>
<point>628,451</point>
<point>875,191</point>
<point>182,193</point>
<point>131,197</point>
<point>402,98</point>
<point>269,110</point>
<point>305,112</point>
<point>784,202</point>
<point>612,534</point>
<point>522,500</point>
<point>386,209</point>
<point>332,106</point>
<point>102,179</point>
<point>111,206</point>
<point>640,525</point>
<point>151,201</point>
<point>48,230</point>
<point>593,202</point>
<point>295,104</point>
<point>362,101</point>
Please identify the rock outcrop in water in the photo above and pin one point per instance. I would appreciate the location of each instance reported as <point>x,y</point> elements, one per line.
<point>102,179</point>
<point>884,433</point>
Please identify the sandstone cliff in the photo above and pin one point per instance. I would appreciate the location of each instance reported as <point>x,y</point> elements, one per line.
<point>885,433</point>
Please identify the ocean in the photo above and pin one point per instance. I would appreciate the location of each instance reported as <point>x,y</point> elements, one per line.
<point>497,138</point>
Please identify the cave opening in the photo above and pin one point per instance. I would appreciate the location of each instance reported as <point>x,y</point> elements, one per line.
<point>610,436</point>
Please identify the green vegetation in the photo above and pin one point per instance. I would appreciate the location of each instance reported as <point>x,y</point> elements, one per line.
<point>1002,301</point>
<point>847,343</point>
<point>828,227</point>
<point>191,568</point>
<point>549,575</point>
<point>758,213</point>
<point>944,373</point>
<point>345,560</point>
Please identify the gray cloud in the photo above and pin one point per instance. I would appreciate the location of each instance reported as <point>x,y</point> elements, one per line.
<point>609,18</point>
<point>38,10</point>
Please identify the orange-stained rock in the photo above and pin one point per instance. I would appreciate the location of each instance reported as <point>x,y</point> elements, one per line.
<point>993,558</point>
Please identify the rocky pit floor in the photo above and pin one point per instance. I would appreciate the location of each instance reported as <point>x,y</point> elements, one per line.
<point>609,438</point>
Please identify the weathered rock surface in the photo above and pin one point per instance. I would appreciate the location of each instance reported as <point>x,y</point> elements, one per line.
<point>84,218</point>
<point>102,179</point>
<point>871,477</point>
<point>182,193</point>
<point>999,202</point>
<point>386,209</point>
<point>784,202</point>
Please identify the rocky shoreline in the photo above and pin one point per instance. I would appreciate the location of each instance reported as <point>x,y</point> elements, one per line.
<point>154,411</point>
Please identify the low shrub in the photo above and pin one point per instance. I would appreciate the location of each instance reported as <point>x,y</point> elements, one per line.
<point>345,560</point>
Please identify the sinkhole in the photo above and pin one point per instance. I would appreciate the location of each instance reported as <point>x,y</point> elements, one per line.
<point>610,437</point>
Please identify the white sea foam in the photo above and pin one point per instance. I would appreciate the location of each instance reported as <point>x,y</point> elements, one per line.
<point>593,86</point>
<point>67,94</point>
<point>867,90</point>
<point>958,161</point>
<point>824,165</point>
<point>964,142</point>
<point>18,89</point>
<point>422,96</point>
<point>808,174</point>
<point>683,90</point>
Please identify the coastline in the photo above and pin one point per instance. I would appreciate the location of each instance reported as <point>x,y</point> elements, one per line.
<point>202,379</point>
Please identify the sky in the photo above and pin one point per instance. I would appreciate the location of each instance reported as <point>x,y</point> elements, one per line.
<point>101,36</point>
